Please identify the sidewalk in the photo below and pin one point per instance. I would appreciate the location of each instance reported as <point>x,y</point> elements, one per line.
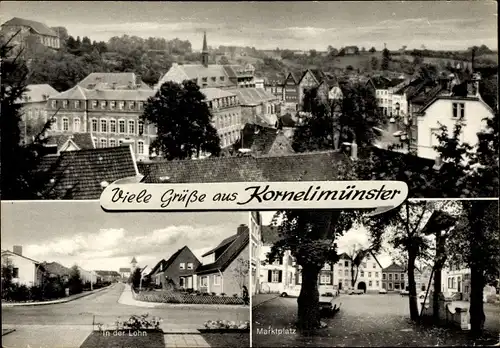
<point>127,298</point>
<point>259,299</point>
<point>45,336</point>
<point>62,300</point>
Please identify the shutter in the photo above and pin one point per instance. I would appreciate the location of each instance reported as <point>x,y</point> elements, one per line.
<point>281,260</point>
<point>280,276</point>
<point>269,276</point>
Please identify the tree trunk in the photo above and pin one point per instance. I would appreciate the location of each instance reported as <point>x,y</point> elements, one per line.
<point>414,315</point>
<point>477,316</point>
<point>440,254</point>
<point>308,301</point>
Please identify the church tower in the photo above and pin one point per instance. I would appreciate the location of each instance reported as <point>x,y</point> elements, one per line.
<point>204,51</point>
<point>133,263</point>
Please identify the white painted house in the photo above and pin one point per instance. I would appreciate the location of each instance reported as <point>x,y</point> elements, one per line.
<point>447,109</point>
<point>25,270</point>
<point>369,278</point>
<point>255,225</point>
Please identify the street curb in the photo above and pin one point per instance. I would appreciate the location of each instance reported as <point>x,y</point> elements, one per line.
<point>270,299</point>
<point>8,332</point>
<point>7,305</point>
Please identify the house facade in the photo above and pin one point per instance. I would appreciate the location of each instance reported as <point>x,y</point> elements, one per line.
<point>393,278</point>
<point>263,141</point>
<point>447,109</point>
<point>384,89</point>
<point>225,269</point>
<point>276,87</point>
<point>258,105</point>
<point>368,277</point>
<point>125,273</point>
<point>255,227</point>
<point>25,271</point>
<point>178,272</point>
<point>326,282</point>
<point>26,28</point>
<point>291,93</point>
<point>88,276</point>
<point>108,276</point>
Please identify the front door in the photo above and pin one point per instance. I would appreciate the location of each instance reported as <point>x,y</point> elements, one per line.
<point>181,282</point>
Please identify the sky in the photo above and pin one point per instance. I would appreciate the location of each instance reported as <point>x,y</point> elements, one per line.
<point>297,25</point>
<point>82,233</point>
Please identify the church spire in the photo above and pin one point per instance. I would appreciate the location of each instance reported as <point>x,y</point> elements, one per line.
<point>204,51</point>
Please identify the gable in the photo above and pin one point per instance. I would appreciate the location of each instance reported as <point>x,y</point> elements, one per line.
<point>290,80</point>
<point>69,145</point>
<point>308,79</point>
<point>281,146</point>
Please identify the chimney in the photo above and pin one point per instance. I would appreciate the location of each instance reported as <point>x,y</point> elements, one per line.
<point>18,250</point>
<point>354,151</point>
<point>242,229</point>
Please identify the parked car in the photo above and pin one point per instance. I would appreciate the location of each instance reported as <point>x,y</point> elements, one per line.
<point>404,293</point>
<point>382,291</point>
<point>356,292</point>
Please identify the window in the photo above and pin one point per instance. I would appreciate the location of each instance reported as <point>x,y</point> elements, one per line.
<point>77,104</point>
<point>76,125</point>
<point>378,283</point>
<point>131,105</point>
<point>458,110</point>
<point>140,105</point>
<point>140,126</point>
<point>384,276</point>
<point>370,283</point>
<point>396,276</point>
<point>364,264</point>
<point>65,124</point>
<point>121,105</point>
<point>65,104</point>
<point>190,265</point>
<point>131,127</point>
<point>222,78</point>
<point>376,274</point>
<point>120,142</point>
<point>340,272</point>
<point>54,104</point>
<point>103,104</point>
<point>216,279</point>
<point>121,126</point>
<point>140,147</point>
<point>94,104</point>
<point>362,274</point>
<point>275,276</point>
<point>112,126</point>
<point>204,79</point>
<point>94,125</point>
<point>104,142</point>
<point>182,265</point>
<point>390,276</point>
<point>15,272</point>
<point>204,281</point>
<point>326,278</point>
<point>346,273</point>
<point>213,78</point>
<point>104,126</point>
<point>112,105</point>
<point>112,143</point>
<point>374,265</point>
<point>346,263</point>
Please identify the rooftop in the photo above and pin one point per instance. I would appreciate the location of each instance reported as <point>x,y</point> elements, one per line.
<point>253,96</point>
<point>258,138</point>
<point>37,27</point>
<point>125,80</point>
<point>80,93</point>
<point>212,93</point>
<point>82,140</point>
<point>38,93</point>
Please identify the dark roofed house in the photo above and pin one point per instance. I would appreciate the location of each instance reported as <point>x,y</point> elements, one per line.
<point>263,141</point>
<point>83,174</point>
<point>71,142</point>
<point>225,268</point>
<point>55,269</point>
<point>176,272</point>
<point>26,28</point>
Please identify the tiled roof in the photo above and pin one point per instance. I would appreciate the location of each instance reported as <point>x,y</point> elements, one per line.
<point>199,71</point>
<point>80,93</point>
<point>38,27</point>
<point>121,80</point>
<point>38,93</point>
<point>381,82</point>
<point>56,268</point>
<point>292,75</point>
<point>253,96</point>
<point>222,244</point>
<point>80,174</point>
<point>172,258</point>
<point>228,256</point>
<point>312,166</point>
<point>213,93</point>
<point>319,75</point>
<point>259,139</point>
<point>124,269</point>
<point>82,140</point>
<point>74,93</point>
<point>394,268</point>
<point>108,273</point>
<point>14,254</point>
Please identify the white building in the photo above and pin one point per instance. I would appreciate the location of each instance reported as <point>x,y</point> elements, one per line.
<point>369,277</point>
<point>384,89</point>
<point>25,271</point>
<point>255,225</point>
<point>447,108</point>
<point>87,276</point>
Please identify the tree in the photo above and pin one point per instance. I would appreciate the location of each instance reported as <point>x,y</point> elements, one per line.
<point>475,244</point>
<point>356,254</point>
<point>184,121</point>
<point>135,278</point>
<point>240,273</point>
<point>7,276</point>
<point>224,61</point>
<point>310,236</point>
<point>386,58</point>
<point>374,63</point>
<point>372,50</point>
<point>75,282</point>
<point>403,226</point>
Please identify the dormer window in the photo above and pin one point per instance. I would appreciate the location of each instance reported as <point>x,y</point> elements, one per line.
<point>103,104</point>
<point>214,79</point>
<point>112,105</point>
<point>65,104</point>
<point>222,78</point>
<point>204,79</point>
<point>77,104</point>
<point>94,104</point>
<point>131,105</point>
<point>53,104</point>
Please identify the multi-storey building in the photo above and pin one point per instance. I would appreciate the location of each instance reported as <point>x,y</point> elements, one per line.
<point>393,278</point>
<point>275,86</point>
<point>112,116</point>
<point>255,226</point>
<point>25,28</point>
<point>291,93</point>
<point>226,111</point>
<point>368,277</point>
<point>258,106</point>
<point>384,89</point>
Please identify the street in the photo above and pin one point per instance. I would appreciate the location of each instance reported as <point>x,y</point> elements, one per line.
<point>68,324</point>
<point>363,320</point>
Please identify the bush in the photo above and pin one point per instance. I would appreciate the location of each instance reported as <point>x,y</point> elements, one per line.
<point>223,294</point>
<point>213,293</point>
<point>235,295</point>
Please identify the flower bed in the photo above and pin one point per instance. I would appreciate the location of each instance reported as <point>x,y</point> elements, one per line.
<point>223,326</point>
<point>184,298</point>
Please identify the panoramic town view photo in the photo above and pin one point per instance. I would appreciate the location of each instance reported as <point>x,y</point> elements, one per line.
<point>76,276</point>
<point>237,91</point>
<point>423,274</point>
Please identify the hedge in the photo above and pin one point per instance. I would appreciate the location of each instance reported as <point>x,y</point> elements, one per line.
<point>176,297</point>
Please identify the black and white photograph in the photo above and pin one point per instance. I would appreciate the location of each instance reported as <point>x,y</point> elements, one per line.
<point>76,276</point>
<point>95,92</point>
<point>424,274</point>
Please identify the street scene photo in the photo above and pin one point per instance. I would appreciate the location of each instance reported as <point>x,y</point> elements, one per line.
<point>187,92</point>
<point>420,275</point>
<point>74,276</point>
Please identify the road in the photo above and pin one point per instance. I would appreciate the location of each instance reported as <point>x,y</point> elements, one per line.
<point>66,325</point>
<point>364,320</point>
